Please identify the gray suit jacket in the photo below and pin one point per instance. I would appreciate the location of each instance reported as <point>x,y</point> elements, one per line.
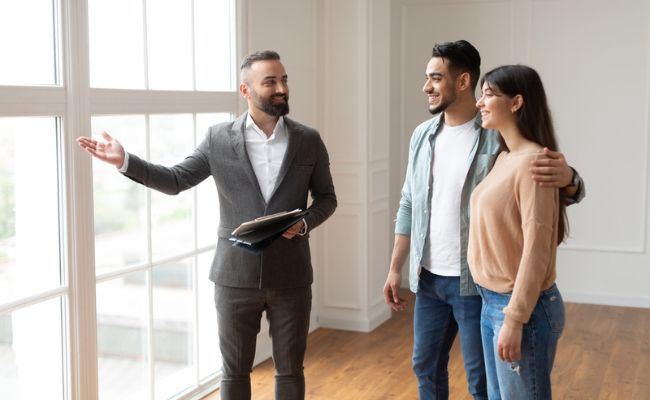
<point>222,155</point>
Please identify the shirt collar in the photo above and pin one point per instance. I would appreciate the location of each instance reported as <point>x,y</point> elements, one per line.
<point>278,131</point>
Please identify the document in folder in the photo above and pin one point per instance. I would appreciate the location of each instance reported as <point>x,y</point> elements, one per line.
<point>259,233</point>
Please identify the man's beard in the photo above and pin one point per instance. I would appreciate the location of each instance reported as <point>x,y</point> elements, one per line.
<point>274,109</point>
<point>440,107</point>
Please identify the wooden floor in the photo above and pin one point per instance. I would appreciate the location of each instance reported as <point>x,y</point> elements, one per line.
<point>604,353</point>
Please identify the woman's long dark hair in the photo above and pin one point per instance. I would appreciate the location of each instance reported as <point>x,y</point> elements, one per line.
<point>533,117</point>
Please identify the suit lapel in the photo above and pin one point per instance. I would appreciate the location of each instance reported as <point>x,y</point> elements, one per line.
<point>239,144</point>
<point>295,139</point>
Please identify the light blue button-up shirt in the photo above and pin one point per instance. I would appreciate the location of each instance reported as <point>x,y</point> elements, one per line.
<point>415,203</point>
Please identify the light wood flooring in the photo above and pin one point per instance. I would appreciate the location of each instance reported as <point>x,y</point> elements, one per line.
<point>604,353</point>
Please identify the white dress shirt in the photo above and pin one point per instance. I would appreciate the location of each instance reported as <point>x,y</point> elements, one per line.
<point>266,153</point>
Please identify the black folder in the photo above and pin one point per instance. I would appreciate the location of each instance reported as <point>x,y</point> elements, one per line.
<point>258,234</point>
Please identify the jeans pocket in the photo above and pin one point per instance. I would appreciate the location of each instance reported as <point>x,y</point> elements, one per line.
<point>493,305</point>
<point>551,301</point>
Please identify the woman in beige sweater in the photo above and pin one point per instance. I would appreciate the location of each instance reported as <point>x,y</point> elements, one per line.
<point>515,228</point>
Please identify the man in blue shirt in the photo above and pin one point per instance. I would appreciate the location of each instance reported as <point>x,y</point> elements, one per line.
<point>449,155</point>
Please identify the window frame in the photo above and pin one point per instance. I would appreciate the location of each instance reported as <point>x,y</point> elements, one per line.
<point>73,102</point>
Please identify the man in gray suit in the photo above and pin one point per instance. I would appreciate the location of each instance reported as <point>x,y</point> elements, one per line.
<point>262,163</point>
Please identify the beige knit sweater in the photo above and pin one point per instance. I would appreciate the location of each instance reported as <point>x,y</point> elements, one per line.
<point>513,235</point>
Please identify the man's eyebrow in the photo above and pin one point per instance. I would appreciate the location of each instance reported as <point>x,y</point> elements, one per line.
<point>274,77</point>
<point>435,75</point>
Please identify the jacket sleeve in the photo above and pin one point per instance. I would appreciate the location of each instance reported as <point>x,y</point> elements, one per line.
<point>172,180</point>
<point>322,190</point>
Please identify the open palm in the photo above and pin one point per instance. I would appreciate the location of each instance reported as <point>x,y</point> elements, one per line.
<point>110,151</point>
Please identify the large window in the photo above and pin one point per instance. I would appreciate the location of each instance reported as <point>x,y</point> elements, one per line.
<point>32,288</point>
<point>103,283</point>
<point>155,314</point>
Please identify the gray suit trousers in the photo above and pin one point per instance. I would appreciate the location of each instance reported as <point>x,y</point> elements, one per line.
<point>239,311</point>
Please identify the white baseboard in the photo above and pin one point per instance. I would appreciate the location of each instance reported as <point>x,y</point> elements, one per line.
<point>264,348</point>
<point>606,300</point>
<point>344,322</point>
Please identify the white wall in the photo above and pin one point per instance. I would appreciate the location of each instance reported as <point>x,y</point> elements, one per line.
<point>288,27</point>
<point>601,99</point>
<point>356,69</point>
<point>337,59</point>
<point>594,58</point>
<point>355,118</point>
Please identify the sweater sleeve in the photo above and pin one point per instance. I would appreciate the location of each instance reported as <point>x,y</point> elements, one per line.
<point>539,210</point>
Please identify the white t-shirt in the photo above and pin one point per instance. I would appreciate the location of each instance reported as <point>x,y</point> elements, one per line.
<point>451,160</point>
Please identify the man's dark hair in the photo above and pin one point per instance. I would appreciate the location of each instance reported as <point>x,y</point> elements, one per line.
<point>462,57</point>
<point>262,55</point>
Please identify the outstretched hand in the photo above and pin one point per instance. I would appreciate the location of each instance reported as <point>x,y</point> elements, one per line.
<point>110,151</point>
<point>552,170</point>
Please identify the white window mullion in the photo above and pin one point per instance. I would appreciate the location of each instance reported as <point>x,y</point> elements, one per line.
<point>195,267</point>
<point>69,100</point>
<point>35,299</point>
<point>79,203</point>
<point>122,101</point>
<point>58,44</point>
<point>151,362</point>
<point>150,336</point>
<point>32,101</point>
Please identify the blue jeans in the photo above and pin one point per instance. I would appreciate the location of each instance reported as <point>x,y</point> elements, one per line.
<point>441,312</point>
<point>530,377</point>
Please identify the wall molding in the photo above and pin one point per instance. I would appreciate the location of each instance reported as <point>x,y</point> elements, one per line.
<point>378,180</point>
<point>378,257</point>
<point>620,240</point>
<point>604,249</point>
<point>606,299</point>
<point>449,2</point>
<point>329,274</point>
<point>642,242</point>
<point>358,322</point>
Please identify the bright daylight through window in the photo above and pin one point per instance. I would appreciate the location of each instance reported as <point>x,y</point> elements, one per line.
<point>154,74</point>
